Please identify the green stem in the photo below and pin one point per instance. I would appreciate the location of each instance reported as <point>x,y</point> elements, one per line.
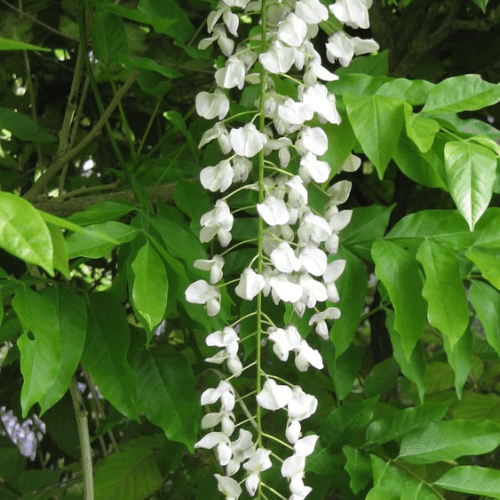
<point>149,125</point>
<point>260,259</point>
<point>83,434</point>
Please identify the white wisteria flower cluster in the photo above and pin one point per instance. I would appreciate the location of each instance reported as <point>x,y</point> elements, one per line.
<point>279,153</point>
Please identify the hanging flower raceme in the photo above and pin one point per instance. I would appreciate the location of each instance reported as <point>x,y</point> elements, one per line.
<point>278,147</point>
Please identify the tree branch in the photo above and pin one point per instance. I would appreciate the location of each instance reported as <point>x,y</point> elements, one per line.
<point>59,161</point>
<point>164,192</point>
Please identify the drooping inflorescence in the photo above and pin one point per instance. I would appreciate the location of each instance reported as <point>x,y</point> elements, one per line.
<point>276,150</point>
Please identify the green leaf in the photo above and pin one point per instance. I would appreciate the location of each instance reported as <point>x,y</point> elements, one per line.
<point>129,475</point>
<point>420,130</point>
<point>449,440</point>
<point>461,93</point>
<point>373,64</point>
<point>376,121</point>
<point>341,141</point>
<point>487,263</point>
<point>367,224</point>
<point>443,289</point>
<point>414,368</point>
<point>60,257</point>
<point>459,358</point>
<point>105,352</point>
<point>352,287</point>
<point>71,326</point>
<point>481,4</point>
<point>177,120</point>
<point>23,232</point>
<point>166,393</point>
<point>359,84</point>
<point>486,303</point>
<point>147,64</point>
<point>23,127</point>
<point>150,289</point>
<point>191,198</point>
<point>470,171</point>
<point>108,35</point>
<point>423,168</point>
<point>344,370</point>
<point>40,345</point>
<point>160,10</point>
<point>101,212</point>
<point>359,468</point>
<point>6,44</point>
<point>342,423</point>
<point>417,491</point>
<point>382,378</point>
<point>414,92</point>
<point>477,407</point>
<point>99,239</point>
<point>399,272</point>
<point>394,426</point>
<point>478,481</point>
<point>389,481</point>
<point>439,376</point>
<point>179,241</point>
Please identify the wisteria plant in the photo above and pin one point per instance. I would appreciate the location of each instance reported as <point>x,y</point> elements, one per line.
<point>274,150</point>
<point>237,261</point>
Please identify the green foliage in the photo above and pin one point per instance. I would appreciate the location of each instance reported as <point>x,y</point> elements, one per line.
<point>95,262</point>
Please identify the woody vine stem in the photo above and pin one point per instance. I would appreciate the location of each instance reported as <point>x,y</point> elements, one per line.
<point>293,271</point>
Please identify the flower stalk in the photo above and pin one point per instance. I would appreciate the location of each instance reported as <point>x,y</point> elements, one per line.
<point>295,262</point>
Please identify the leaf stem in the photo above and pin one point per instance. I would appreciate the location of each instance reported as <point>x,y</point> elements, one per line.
<point>84,437</point>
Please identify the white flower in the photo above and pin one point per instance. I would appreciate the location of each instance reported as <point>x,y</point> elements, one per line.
<point>306,355</point>
<point>242,168</point>
<point>278,59</point>
<point>258,462</point>
<point>225,43</point>
<point>293,467</point>
<point>352,163</point>
<point>285,340</point>
<point>312,140</point>
<point>313,260</point>
<point>340,220</point>
<point>227,338</point>
<point>332,273</point>
<point>311,11</point>
<point>312,168</point>
<point>218,221</point>
<point>273,211</point>
<point>220,440</point>
<point>247,141</point>
<point>313,228</point>
<point>250,284</point>
<point>292,30</point>
<point>226,419</point>
<point>228,487</point>
<point>297,192</point>
<point>285,290</point>
<point>274,396</point>
<point>343,48</point>
<point>224,392</point>
<point>339,192</point>
<point>200,292</point>
<point>319,318</point>
<point>242,449</point>
<point>232,74</point>
<point>213,265</point>
<point>354,13</point>
<point>284,259</point>
<point>211,105</point>
<point>313,291</point>
<point>295,113</point>
<point>217,178</point>
<point>322,102</point>
<point>219,132</point>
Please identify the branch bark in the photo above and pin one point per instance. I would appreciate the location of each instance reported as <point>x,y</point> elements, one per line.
<point>164,192</point>
<point>59,161</point>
